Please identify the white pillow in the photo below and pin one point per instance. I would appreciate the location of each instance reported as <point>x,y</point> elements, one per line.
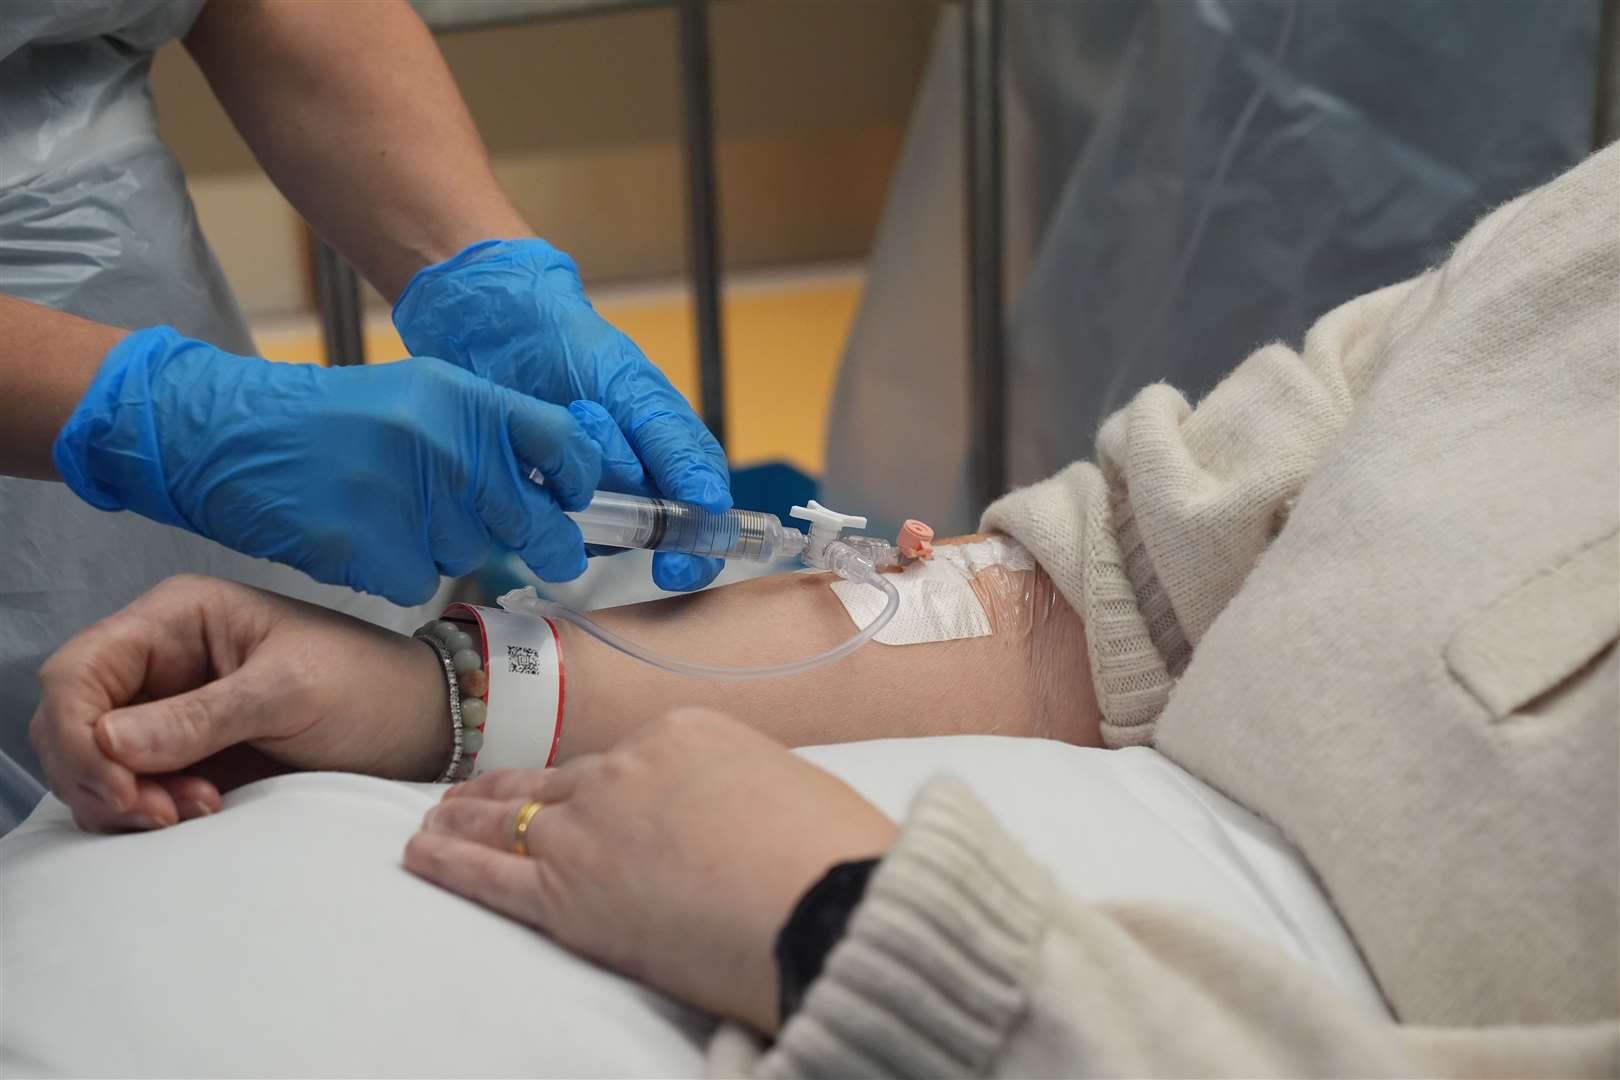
<point>282,937</point>
<point>1127,824</point>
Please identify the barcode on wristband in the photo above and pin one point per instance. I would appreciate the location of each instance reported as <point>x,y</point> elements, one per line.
<point>522,661</point>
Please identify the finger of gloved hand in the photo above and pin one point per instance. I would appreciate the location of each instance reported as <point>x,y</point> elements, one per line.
<point>548,541</point>
<point>683,458</point>
<point>460,542</point>
<point>408,586</point>
<point>546,785</point>
<point>402,573</point>
<point>175,732</point>
<point>675,572</point>
<point>621,469</point>
<point>548,437</point>
<point>500,880</point>
<point>533,524</point>
<point>403,592</point>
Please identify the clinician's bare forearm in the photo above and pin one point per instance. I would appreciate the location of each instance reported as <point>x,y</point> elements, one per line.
<point>350,109</point>
<point>47,359</point>
<point>1010,683</point>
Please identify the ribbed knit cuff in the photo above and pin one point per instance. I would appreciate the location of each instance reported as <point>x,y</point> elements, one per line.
<point>1164,629</point>
<point>933,971</point>
<point>1080,527</point>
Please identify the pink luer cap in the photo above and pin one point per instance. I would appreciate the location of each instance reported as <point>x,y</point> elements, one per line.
<point>916,540</point>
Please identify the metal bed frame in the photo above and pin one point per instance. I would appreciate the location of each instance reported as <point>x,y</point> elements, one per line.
<point>987,371</point>
<point>337,288</point>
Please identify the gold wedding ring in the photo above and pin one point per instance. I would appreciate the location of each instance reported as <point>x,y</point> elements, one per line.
<point>520,827</point>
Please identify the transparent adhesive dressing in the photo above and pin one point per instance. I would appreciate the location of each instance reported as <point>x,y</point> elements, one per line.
<point>614,520</point>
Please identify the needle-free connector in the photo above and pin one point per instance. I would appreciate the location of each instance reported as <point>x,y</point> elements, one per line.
<point>916,540</point>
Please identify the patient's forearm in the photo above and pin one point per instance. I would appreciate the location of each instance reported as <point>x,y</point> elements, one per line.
<point>1025,679</point>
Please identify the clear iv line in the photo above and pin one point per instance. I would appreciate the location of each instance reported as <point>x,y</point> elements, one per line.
<point>666,525</point>
<point>525,600</point>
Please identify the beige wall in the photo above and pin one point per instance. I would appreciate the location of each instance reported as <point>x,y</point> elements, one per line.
<point>583,120</point>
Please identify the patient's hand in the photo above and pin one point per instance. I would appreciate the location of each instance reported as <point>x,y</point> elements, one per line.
<point>146,715</point>
<point>674,858</point>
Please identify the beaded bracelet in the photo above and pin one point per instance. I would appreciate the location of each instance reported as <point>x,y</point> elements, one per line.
<point>469,686</point>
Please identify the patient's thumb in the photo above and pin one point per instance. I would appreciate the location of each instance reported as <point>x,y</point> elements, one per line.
<point>175,732</point>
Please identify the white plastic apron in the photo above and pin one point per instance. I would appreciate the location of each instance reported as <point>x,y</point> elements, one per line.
<point>95,220</point>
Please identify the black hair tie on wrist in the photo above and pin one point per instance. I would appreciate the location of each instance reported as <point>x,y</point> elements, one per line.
<point>816,925</point>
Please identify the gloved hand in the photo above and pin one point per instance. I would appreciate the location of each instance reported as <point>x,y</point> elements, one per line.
<point>514,311</point>
<point>379,478</point>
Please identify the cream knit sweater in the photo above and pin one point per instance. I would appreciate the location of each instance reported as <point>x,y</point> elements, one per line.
<point>1368,589</point>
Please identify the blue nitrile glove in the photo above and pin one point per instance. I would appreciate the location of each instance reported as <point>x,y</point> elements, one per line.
<point>514,311</point>
<point>379,478</point>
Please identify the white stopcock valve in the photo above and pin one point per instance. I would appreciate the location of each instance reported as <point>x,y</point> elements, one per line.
<point>825,527</point>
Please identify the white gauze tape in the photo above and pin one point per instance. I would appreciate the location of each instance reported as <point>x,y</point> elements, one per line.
<point>936,601</point>
<point>524,721</point>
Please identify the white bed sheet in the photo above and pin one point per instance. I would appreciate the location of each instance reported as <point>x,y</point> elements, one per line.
<point>282,937</point>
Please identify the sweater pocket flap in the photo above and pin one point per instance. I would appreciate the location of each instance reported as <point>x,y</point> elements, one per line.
<point>1545,630</point>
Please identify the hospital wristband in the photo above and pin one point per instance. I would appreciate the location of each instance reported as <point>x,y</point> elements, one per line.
<point>520,682</point>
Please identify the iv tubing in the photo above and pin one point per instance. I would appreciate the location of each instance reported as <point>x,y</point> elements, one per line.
<point>861,571</point>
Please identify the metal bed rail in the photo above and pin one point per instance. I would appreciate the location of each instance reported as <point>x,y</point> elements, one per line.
<point>987,373</point>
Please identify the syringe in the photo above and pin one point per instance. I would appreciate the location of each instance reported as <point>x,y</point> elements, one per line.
<point>631,521</point>
<point>615,520</point>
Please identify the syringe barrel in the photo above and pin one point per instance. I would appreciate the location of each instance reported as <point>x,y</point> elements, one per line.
<point>631,521</point>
